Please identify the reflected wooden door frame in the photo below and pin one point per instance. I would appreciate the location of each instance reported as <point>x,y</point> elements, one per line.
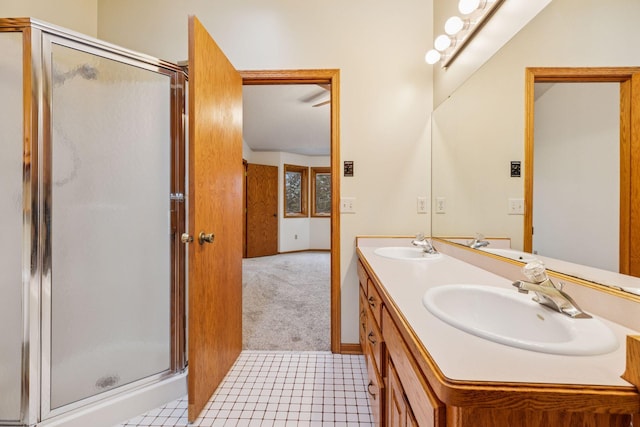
<point>331,77</point>
<point>629,79</point>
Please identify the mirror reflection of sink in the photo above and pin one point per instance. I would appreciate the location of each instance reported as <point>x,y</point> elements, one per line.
<point>405,253</point>
<point>510,253</point>
<point>507,317</point>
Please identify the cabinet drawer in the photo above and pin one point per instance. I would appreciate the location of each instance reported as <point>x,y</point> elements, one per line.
<point>375,342</point>
<point>363,277</point>
<point>375,302</point>
<point>362,322</point>
<point>375,391</point>
<point>427,409</point>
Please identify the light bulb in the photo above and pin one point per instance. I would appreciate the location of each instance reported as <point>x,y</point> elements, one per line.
<point>442,42</point>
<point>432,57</point>
<point>453,25</point>
<point>468,6</point>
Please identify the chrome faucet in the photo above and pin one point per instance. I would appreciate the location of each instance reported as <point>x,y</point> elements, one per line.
<point>547,293</point>
<point>478,242</point>
<point>422,242</point>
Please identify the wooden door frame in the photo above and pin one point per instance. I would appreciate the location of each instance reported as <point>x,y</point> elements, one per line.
<point>331,77</point>
<point>629,149</point>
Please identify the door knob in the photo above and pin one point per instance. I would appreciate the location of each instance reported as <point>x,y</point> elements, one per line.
<point>205,238</point>
<point>186,238</point>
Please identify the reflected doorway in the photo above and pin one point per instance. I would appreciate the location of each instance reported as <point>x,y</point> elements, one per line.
<point>628,80</point>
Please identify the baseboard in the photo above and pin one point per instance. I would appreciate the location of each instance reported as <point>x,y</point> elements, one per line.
<point>304,250</point>
<point>348,348</point>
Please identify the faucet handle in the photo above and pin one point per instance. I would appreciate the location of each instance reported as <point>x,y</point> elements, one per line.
<point>420,236</point>
<point>535,271</point>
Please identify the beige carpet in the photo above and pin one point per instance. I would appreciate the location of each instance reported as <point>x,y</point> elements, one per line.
<point>286,302</point>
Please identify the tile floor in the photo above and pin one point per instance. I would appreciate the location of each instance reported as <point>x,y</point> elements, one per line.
<point>279,389</point>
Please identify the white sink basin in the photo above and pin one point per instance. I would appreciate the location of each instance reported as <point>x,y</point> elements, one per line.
<point>405,253</point>
<point>511,253</point>
<point>507,317</point>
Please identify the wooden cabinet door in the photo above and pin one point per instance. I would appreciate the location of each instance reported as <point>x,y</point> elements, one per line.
<point>215,206</point>
<point>399,413</point>
<point>396,404</point>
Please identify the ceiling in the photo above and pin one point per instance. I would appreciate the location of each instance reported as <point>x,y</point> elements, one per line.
<point>282,118</point>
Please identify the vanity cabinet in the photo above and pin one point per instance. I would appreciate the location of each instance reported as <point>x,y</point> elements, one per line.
<point>398,393</point>
<point>372,344</point>
<point>406,387</point>
<point>422,406</point>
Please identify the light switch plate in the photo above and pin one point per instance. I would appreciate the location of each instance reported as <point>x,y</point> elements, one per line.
<point>516,207</point>
<point>347,205</point>
<point>441,206</point>
<point>422,205</point>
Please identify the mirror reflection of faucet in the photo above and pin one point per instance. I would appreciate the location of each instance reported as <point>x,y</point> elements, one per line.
<point>422,242</point>
<point>548,293</point>
<point>478,242</point>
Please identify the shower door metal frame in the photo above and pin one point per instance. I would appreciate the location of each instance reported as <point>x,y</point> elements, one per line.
<point>36,374</point>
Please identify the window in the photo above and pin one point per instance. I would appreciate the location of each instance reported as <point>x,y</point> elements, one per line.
<point>296,183</point>
<point>321,192</point>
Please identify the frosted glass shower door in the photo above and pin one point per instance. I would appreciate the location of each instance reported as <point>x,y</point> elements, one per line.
<point>110,172</point>
<point>11,268</point>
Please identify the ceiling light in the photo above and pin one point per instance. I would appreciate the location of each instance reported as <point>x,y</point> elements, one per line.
<point>454,25</point>
<point>442,42</point>
<point>432,57</point>
<point>468,6</point>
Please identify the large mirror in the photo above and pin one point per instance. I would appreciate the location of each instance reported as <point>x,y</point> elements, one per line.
<point>482,127</point>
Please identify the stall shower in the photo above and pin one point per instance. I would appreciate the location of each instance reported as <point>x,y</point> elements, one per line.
<point>91,289</point>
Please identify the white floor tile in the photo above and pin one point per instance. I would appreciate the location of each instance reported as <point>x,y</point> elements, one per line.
<point>270,389</point>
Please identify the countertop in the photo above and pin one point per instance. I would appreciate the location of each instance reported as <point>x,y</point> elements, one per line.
<point>465,357</point>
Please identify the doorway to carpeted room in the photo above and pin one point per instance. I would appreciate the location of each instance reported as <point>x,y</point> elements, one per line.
<point>286,302</point>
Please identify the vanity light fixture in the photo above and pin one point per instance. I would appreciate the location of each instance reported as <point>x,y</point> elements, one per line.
<point>459,31</point>
<point>432,57</point>
<point>467,7</point>
<point>442,42</point>
<point>454,25</point>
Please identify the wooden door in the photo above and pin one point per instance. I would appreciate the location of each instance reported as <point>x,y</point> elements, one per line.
<point>215,206</point>
<point>262,210</point>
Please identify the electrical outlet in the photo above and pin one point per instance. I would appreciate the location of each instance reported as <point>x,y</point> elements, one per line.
<point>422,205</point>
<point>516,207</point>
<point>441,206</point>
<point>347,205</point>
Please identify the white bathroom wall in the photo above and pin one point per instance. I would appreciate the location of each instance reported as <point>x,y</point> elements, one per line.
<point>577,143</point>
<point>77,15</point>
<point>385,90</point>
